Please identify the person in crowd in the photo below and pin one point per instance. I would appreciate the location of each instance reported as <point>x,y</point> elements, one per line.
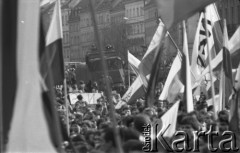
<point>92,130</point>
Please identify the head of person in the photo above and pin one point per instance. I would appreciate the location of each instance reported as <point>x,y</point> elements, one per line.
<point>125,110</point>
<point>140,121</point>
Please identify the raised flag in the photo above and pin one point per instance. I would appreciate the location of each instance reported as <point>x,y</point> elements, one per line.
<point>200,54</point>
<point>188,85</point>
<point>28,130</point>
<point>195,57</point>
<point>226,81</point>
<point>135,91</point>
<point>52,55</point>
<point>173,86</point>
<point>148,59</point>
<point>234,49</point>
<point>169,121</point>
<point>167,45</point>
<point>133,62</point>
<point>174,11</point>
<point>235,106</point>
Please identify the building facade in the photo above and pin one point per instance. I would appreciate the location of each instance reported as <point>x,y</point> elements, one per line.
<point>134,16</point>
<point>65,25</point>
<point>230,10</point>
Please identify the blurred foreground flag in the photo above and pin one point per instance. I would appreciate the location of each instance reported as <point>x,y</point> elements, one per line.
<point>174,11</point>
<point>52,54</point>
<point>28,131</point>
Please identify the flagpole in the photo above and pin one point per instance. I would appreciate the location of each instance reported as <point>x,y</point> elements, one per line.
<point>109,93</point>
<point>210,66</point>
<point>66,104</point>
<point>128,72</point>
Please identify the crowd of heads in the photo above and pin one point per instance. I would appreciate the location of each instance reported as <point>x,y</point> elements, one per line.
<point>91,127</point>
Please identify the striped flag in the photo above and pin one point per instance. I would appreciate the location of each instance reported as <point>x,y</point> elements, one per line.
<point>174,11</point>
<point>148,59</point>
<point>226,81</point>
<point>135,91</point>
<point>200,43</point>
<point>133,62</point>
<point>52,54</point>
<point>167,45</point>
<point>169,121</point>
<point>173,86</point>
<point>28,128</point>
<point>234,49</point>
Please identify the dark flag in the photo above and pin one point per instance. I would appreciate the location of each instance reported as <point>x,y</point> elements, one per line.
<point>52,55</point>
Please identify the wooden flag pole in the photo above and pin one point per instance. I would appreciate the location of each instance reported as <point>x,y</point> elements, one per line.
<point>109,93</point>
<point>210,66</point>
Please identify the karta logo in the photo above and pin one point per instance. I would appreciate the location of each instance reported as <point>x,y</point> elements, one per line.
<point>183,141</point>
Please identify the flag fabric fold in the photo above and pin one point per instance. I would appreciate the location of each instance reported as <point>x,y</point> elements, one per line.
<point>174,11</point>
<point>29,130</point>
<point>53,54</point>
<point>147,62</point>
<point>226,82</point>
<point>188,85</point>
<point>173,86</point>
<point>234,49</point>
<point>169,121</point>
<point>133,62</point>
<point>135,91</point>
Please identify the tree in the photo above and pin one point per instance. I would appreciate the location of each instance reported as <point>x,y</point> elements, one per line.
<point>116,35</point>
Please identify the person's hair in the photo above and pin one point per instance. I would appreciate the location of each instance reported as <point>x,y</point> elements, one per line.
<point>223,116</point>
<point>132,145</point>
<point>141,120</point>
<point>190,120</point>
<point>109,136</point>
<point>127,120</point>
<point>98,106</point>
<point>80,97</point>
<point>210,108</point>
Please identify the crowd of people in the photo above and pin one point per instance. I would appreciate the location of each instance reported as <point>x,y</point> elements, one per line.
<point>91,129</point>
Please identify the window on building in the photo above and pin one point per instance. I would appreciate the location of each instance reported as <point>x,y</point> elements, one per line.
<point>87,22</point>
<point>134,12</point>
<point>142,11</point>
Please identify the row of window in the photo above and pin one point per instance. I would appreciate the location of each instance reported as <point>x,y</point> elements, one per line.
<point>79,53</point>
<point>65,38</point>
<point>137,29</point>
<point>66,53</point>
<point>65,19</point>
<point>134,12</point>
<point>231,14</point>
<point>85,37</point>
